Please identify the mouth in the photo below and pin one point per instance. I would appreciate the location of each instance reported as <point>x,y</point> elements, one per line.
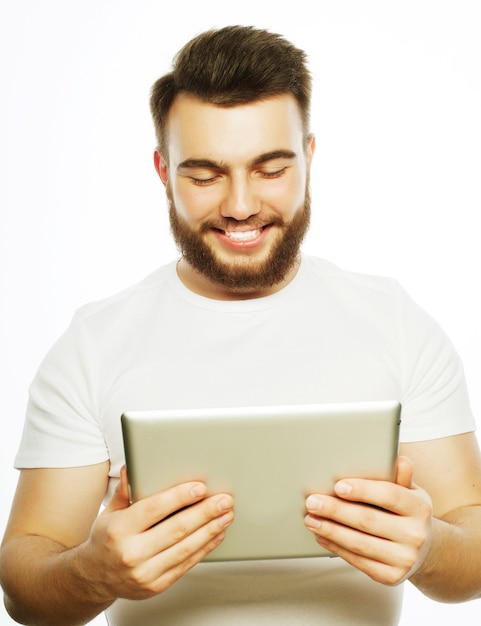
<point>242,236</point>
<point>243,239</point>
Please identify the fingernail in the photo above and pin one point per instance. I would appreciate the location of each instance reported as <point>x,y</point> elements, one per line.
<point>314,503</point>
<point>224,504</point>
<point>342,488</point>
<point>313,522</point>
<point>227,519</point>
<point>198,490</point>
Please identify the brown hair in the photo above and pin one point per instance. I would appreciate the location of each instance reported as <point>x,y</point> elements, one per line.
<point>231,66</point>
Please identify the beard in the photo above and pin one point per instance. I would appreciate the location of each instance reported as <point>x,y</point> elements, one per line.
<point>244,274</point>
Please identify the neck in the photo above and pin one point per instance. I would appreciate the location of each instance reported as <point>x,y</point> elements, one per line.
<point>199,284</point>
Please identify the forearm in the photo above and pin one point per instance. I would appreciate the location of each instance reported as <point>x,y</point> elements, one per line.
<point>452,569</point>
<point>45,583</point>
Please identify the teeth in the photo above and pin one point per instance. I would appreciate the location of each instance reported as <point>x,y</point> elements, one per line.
<point>243,235</point>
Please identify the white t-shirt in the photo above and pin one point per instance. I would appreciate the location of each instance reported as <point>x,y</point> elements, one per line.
<point>329,336</point>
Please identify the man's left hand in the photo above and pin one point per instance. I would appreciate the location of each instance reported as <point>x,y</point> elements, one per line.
<point>383,529</point>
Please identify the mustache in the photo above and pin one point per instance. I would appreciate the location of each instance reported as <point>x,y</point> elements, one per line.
<point>251,223</point>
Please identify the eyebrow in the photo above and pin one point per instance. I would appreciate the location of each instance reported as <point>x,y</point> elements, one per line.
<point>258,160</point>
<point>271,156</point>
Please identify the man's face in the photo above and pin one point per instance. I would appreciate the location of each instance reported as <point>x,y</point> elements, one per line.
<point>237,182</point>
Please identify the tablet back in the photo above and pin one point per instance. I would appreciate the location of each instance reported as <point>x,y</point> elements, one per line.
<point>270,458</point>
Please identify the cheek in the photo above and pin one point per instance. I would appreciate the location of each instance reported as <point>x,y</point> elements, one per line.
<point>287,196</point>
<point>192,203</point>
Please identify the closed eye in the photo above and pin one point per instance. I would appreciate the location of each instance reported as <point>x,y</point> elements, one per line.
<point>200,171</point>
<point>274,174</point>
<point>203,181</point>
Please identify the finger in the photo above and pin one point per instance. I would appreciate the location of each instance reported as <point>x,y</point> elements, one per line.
<point>191,527</point>
<point>179,569</point>
<point>368,538</point>
<point>389,496</point>
<point>389,566</point>
<point>120,498</point>
<point>165,568</point>
<point>404,472</point>
<point>149,511</point>
<point>343,539</point>
<point>124,483</point>
<point>388,554</point>
<point>330,515</point>
<point>160,567</point>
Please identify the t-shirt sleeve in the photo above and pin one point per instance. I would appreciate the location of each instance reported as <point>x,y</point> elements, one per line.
<point>435,396</point>
<point>61,428</point>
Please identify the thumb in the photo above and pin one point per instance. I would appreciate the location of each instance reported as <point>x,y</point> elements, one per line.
<point>404,472</point>
<point>120,499</point>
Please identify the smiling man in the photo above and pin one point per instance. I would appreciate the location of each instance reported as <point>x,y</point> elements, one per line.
<point>237,183</point>
<point>241,318</point>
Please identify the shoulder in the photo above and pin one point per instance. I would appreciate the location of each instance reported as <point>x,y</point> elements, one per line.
<point>324,271</point>
<point>131,298</point>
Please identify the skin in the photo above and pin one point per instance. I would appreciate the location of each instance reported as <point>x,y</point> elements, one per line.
<point>56,547</point>
<point>425,529</point>
<point>241,170</point>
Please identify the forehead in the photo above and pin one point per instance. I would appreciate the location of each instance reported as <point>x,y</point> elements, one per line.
<point>197,129</point>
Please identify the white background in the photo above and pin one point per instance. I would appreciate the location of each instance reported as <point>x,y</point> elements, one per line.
<point>396,176</point>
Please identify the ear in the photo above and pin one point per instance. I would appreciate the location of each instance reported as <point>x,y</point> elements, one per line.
<point>310,147</point>
<point>161,167</point>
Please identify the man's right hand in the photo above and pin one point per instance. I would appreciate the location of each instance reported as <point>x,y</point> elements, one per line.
<point>137,551</point>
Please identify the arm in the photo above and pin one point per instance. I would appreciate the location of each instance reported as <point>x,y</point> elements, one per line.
<point>450,471</point>
<point>397,531</point>
<point>61,565</point>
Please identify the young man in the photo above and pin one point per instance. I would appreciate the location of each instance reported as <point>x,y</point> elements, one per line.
<point>243,318</point>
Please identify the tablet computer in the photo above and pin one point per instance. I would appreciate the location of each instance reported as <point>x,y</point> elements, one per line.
<point>270,458</point>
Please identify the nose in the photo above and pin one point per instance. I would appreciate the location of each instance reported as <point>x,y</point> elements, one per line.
<point>240,202</point>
